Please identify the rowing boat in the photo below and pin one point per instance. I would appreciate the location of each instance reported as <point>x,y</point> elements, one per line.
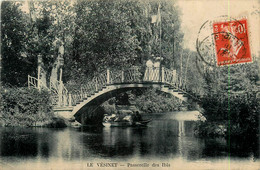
<point>126,123</point>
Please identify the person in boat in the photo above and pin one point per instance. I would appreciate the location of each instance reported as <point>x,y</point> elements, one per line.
<point>128,118</point>
<point>109,118</point>
<point>137,117</point>
<point>118,117</point>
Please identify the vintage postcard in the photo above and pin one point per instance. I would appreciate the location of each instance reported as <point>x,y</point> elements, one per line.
<point>129,84</point>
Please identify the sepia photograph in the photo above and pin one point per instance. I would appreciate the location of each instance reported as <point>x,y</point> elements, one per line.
<point>129,84</point>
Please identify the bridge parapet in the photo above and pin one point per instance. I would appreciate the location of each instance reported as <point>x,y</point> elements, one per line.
<point>60,95</point>
<point>130,75</point>
<point>134,75</point>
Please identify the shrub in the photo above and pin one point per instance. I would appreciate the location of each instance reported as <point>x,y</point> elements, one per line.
<point>24,107</point>
<point>239,113</point>
<point>152,101</point>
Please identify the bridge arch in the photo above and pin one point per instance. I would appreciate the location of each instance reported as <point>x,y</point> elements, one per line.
<point>87,106</point>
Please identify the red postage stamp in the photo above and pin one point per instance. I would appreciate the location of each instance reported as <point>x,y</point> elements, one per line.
<point>231,42</point>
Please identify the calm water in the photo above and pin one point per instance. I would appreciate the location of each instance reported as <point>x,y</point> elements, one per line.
<point>165,140</point>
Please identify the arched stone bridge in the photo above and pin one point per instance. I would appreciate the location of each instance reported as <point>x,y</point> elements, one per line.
<point>86,100</point>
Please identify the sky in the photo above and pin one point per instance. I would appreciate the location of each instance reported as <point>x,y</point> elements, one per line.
<point>196,12</point>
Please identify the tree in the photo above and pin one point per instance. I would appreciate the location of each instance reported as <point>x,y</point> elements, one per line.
<point>15,64</point>
<point>231,97</point>
<point>52,22</point>
<point>96,35</point>
<point>103,38</point>
<point>119,34</point>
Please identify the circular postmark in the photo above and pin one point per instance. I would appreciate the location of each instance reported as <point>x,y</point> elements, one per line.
<point>205,45</point>
<point>223,41</point>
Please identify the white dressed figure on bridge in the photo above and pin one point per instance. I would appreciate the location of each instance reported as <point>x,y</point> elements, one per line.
<point>156,68</point>
<point>148,75</point>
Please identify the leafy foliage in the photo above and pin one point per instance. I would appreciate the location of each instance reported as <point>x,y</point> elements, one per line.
<point>232,98</point>
<point>96,35</point>
<point>51,22</point>
<point>152,101</point>
<point>15,65</point>
<point>119,34</point>
<point>23,106</point>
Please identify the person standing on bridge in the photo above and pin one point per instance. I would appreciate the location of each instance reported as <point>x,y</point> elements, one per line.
<point>156,68</point>
<point>148,75</point>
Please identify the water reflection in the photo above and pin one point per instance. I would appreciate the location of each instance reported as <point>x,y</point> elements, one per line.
<point>162,139</point>
<point>16,142</point>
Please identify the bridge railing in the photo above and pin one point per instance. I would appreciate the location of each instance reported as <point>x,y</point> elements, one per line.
<point>100,81</point>
<point>152,74</point>
<point>35,83</point>
<point>169,76</point>
<point>131,75</point>
<point>86,90</point>
<point>96,84</point>
<point>59,92</point>
<point>75,98</point>
<point>54,86</point>
<point>60,95</point>
<point>32,82</point>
